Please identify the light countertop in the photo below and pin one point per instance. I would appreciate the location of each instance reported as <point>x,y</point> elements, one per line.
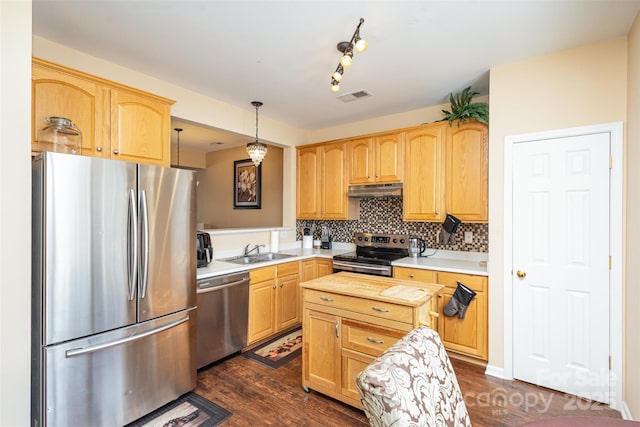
<point>217,267</point>
<point>451,261</point>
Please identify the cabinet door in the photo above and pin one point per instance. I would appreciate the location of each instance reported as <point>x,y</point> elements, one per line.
<point>308,270</point>
<point>140,129</point>
<point>321,352</point>
<point>352,364</point>
<point>361,161</point>
<point>85,102</point>
<point>308,183</point>
<point>423,168</point>
<point>288,302</point>
<point>334,181</point>
<point>389,158</point>
<point>467,171</point>
<point>325,267</point>
<point>469,335</point>
<point>261,310</point>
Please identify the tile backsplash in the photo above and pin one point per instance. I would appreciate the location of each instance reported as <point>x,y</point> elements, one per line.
<point>384,215</point>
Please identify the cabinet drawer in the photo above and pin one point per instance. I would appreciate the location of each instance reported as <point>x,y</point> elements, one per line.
<point>369,307</point>
<point>367,338</point>
<point>477,283</point>
<point>261,274</point>
<point>288,268</point>
<point>417,274</point>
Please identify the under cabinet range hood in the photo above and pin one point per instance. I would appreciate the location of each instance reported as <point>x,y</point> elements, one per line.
<point>375,190</point>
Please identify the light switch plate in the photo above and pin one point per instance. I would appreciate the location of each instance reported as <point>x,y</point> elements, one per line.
<point>468,236</point>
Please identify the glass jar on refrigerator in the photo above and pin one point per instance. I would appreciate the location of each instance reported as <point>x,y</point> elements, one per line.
<point>61,135</point>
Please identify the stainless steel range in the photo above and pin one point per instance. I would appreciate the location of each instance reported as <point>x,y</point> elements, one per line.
<point>374,254</point>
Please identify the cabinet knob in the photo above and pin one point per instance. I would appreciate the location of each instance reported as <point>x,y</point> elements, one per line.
<point>439,295</point>
<point>116,152</point>
<point>521,274</point>
<point>274,286</point>
<point>99,149</point>
<point>281,284</point>
<point>411,275</point>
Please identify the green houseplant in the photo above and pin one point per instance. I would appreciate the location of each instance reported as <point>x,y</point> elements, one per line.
<point>463,110</point>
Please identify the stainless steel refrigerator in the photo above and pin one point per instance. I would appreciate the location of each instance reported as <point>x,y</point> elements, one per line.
<point>114,286</point>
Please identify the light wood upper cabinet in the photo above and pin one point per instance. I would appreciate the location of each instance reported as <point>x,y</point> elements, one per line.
<point>321,178</point>
<point>116,121</point>
<point>56,93</point>
<point>424,173</point>
<point>308,182</point>
<point>334,181</point>
<point>467,180</point>
<point>140,128</point>
<point>377,159</point>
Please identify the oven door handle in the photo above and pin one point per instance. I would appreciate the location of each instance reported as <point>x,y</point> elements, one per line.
<point>364,266</point>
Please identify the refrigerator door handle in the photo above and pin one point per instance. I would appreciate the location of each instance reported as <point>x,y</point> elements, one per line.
<point>144,261</point>
<point>133,243</point>
<point>93,349</point>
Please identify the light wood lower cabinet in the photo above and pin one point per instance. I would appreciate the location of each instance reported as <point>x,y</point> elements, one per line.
<point>313,268</point>
<point>468,336</point>
<point>274,300</point>
<point>343,334</point>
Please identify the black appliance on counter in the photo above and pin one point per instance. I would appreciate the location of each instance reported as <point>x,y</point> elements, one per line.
<point>204,249</point>
<point>374,254</point>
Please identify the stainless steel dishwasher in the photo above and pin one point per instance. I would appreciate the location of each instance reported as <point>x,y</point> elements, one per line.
<point>222,316</point>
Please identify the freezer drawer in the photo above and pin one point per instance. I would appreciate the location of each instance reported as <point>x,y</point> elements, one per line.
<point>117,377</point>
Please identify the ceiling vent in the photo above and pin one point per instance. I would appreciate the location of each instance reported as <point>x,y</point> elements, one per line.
<point>353,96</point>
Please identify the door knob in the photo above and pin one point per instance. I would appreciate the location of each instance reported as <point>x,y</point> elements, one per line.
<point>521,274</point>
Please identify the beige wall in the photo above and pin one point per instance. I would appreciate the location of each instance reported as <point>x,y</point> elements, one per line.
<point>215,191</point>
<point>188,158</point>
<point>15,212</point>
<point>577,87</point>
<point>632,273</point>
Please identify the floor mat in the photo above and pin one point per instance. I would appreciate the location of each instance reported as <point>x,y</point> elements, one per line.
<point>189,410</point>
<point>278,351</point>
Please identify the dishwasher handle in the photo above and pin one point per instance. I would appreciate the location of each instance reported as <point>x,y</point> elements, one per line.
<point>219,287</point>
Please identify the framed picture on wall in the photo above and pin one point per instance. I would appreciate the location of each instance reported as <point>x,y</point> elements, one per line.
<point>247,185</point>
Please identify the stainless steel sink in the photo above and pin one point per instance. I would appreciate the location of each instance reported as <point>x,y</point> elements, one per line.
<point>254,259</point>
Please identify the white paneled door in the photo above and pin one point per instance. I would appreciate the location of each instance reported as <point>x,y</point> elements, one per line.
<point>561,264</point>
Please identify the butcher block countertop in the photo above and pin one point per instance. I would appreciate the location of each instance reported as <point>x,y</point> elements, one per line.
<point>379,288</point>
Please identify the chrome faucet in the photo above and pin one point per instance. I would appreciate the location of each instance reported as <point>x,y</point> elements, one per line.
<point>256,248</point>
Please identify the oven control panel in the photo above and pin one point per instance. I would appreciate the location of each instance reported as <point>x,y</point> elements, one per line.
<point>399,241</point>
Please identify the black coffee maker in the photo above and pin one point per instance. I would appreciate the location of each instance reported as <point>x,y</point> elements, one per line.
<point>204,250</point>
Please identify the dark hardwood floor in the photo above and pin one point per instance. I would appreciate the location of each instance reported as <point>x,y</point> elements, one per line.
<point>259,396</point>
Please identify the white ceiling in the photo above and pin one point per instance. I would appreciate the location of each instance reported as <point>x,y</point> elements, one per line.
<point>283,52</point>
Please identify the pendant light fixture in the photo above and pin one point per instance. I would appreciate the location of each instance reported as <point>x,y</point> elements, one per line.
<point>178,144</point>
<point>346,48</point>
<point>256,149</point>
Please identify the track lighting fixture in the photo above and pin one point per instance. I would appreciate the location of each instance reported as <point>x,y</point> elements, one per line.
<point>346,48</point>
<point>256,149</point>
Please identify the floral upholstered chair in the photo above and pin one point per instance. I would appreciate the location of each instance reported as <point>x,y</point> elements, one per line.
<point>413,384</point>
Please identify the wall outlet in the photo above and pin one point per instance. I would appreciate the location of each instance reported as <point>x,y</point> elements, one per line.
<point>468,236</point>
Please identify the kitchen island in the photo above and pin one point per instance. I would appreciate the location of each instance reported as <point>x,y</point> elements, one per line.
<point>349,319</point>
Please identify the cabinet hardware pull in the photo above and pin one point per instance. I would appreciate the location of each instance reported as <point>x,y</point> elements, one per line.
<point>375,341</point>
<point>116,152</point>
<point>281,284</point>
<point>326,299</point>
<point>99,149</point>
<point>337,329</point>
<point>274,286</point>
<point>411,275</point>
<point>381,310</point>
<point>521,274</point>
<point>439,295</point>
